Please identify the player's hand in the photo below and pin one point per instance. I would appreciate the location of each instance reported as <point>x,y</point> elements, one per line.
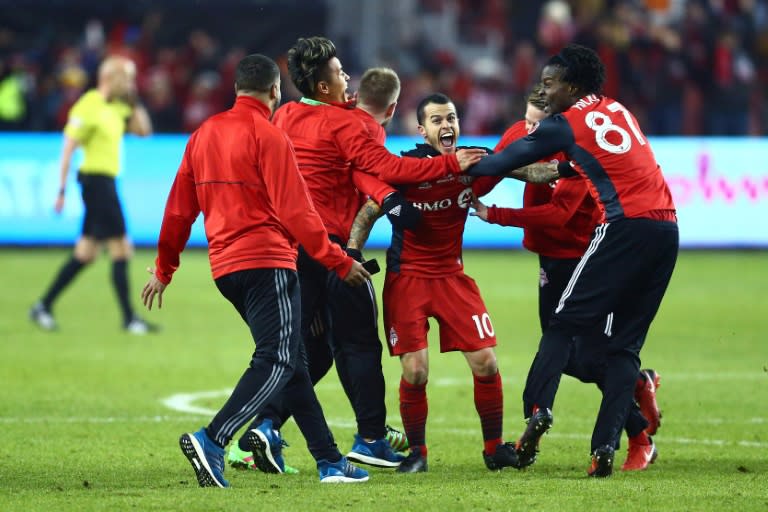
<point>58,206</point>
<point>469,157</point>
<point>481,210</point>
<point>357,274</point>
<point>154,287</point>
<point>400,212</point>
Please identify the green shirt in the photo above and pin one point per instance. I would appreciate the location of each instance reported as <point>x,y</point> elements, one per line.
<point>98,126</point>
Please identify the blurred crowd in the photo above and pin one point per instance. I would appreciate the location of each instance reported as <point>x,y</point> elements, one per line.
<point>683,67</point>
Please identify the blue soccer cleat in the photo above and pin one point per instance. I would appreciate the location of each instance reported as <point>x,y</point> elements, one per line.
<point>377,453</point>
<point>267,447</point>
<point>341,472</point>
<point>206,457</point>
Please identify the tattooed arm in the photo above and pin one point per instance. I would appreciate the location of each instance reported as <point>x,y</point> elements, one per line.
<point>363,223</point>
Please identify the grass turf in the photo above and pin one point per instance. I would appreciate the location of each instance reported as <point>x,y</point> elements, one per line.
<point>85,425</point>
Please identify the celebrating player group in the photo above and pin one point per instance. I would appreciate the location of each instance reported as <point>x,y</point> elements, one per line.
<point>289,196</point>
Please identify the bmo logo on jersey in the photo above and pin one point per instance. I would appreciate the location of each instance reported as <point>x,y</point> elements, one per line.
<point>463,201</point>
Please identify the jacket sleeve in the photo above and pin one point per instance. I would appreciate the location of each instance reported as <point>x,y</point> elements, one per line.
<point>371,186</point>
<point>356,144</point>
<point>290,198</point>
<point>568,196</point>
<point>181,210</point>
<point>553,134</point>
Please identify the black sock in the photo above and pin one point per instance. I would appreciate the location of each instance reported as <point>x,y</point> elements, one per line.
<point>120,282</point>
<point>65,276</point>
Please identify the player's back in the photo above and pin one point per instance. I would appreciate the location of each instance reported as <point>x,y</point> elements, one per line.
<point>228,156</point>
<point>612,151</point>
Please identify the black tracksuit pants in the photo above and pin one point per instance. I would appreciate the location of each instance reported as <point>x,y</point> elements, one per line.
<point>620,280</point>
<point>269,302</point>
<point>586,362</point>
<point>340,323</point>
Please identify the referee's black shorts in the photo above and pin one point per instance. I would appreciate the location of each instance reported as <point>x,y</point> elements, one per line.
<point>103,214</point>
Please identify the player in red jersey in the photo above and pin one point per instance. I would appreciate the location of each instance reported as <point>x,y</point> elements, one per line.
<point>425,275</point>
<point>622,277</point>
<point>558,220</point>
<point>240,172</point>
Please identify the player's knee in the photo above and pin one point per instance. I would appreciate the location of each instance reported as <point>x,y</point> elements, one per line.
<point>483,362</point>
<point>415,373</point>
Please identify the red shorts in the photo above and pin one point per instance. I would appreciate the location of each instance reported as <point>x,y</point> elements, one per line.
<point>453,300</point>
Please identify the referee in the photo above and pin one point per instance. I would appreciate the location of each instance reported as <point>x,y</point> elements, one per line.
<point>97,122</point>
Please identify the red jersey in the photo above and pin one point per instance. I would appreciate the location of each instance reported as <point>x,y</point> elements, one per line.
<point>557,220</point>
<point>433,249</point>
<point>240,171</point>
<point>330,141</point>
<point>604,144</point>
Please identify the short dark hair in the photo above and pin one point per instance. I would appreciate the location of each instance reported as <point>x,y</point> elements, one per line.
<point>437,97</point>
<point>583,68</point>
<point>535,97</point>
<point>379,88</point>
<point>308,61</point>
<point>256,72</point>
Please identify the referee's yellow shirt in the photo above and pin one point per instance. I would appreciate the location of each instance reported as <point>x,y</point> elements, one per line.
<point>99,126</point>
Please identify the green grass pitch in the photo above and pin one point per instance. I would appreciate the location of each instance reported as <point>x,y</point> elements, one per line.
<point>90,416</point>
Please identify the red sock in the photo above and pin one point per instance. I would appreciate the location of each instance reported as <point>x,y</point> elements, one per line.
<point>413,412</point>
<point>489,402</point>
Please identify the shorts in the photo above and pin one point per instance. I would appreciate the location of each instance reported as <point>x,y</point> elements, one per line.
<point>454,301</point>
<point>103,214</point>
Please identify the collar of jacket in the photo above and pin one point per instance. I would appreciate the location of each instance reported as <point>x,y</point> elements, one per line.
<point>315,103</point>
<point>250,102</point>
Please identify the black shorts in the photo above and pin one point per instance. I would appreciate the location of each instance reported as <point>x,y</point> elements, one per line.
<point>103,214</point>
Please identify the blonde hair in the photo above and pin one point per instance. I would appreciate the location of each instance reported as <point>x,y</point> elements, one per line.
<point>379,88</point>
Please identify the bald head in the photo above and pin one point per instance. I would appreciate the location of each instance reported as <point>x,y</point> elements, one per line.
<point>117,77</point>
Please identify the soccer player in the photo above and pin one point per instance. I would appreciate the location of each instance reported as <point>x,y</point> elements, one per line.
<point>622,277</point>
<point>557,221</point>
<point>240,171</point>
<point>97,122</point>
<point>330,140</point>
<point>425,278</point>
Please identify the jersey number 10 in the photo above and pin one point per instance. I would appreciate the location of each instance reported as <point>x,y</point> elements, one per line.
<point>602,125</point>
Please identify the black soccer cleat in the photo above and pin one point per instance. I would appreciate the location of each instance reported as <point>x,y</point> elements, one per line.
<point>602,462</point>
<point>528,445</point>
<point>413,463</point>
<point>505,456</point>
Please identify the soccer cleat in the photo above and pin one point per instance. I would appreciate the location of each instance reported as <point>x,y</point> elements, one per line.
<point>645,396</point>
<point>206,457</point>
<point>341,472</point>
<point>415,462</point>
<point>640,454</point>
<point>267,447</point>
<point>602,462</point>
<point>42,317</point>
<point>505,456</point>
<point>240,459</point>
<point>397,440</point>
<point>528,445</point>
<point>139,326</point>
<point>377,453</point>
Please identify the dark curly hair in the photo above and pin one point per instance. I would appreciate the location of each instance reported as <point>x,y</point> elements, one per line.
<point>583,68</point>
<point>307,62</point>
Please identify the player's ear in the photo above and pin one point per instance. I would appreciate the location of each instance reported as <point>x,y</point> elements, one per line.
<point>391,110</point>
<point>422,131</point>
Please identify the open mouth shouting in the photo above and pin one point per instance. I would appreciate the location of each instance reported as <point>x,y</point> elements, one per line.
<point>447,139</point>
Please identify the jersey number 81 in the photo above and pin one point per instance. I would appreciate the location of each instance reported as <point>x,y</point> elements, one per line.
<point>602,125</point>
